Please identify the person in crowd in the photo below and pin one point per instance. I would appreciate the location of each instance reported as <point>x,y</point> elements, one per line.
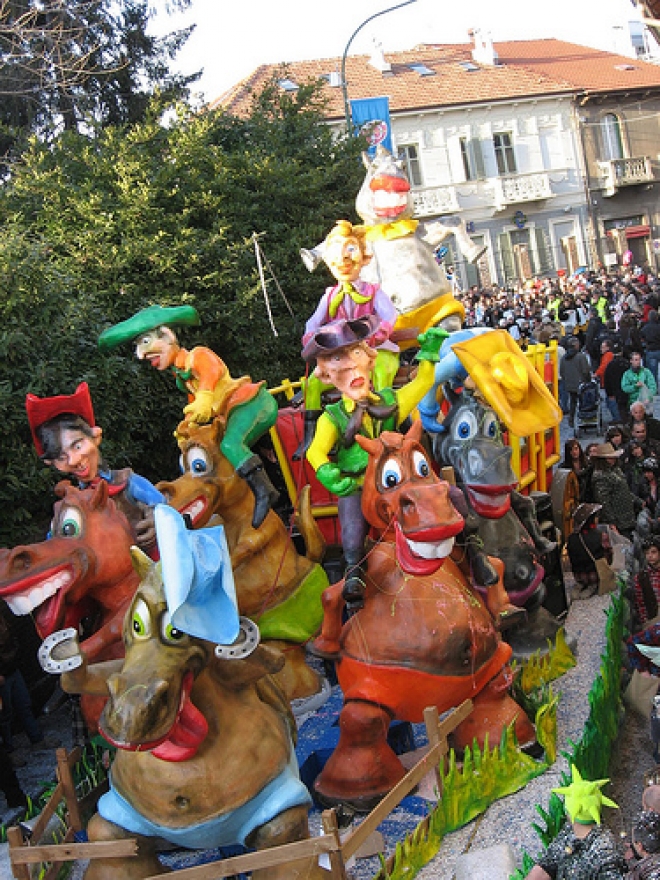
<point>649,489</point>
<point>646,585</point>
<point>574,370</point>
<point>576,461</point>
<point>650,333</point>
<point>583,849</point>
<point>14,694</point>
<point>645,847</point>
<point>585,545</point>
<point>617,435</point>
<point>617,399</point>
<point>633,466</point>
<point>638,415</point>
<point>639,432</point>
<point>595,331</point>
<point>638,382</point>
<point>610,489</point>
<point>606,357</point>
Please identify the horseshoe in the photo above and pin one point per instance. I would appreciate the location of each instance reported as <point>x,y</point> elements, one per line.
<point>246,642</point>
<point>47,653</point>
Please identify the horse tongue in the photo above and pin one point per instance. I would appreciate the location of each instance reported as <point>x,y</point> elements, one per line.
<point>186,736</point>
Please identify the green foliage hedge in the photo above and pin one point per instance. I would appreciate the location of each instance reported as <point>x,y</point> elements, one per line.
<point>98,226</point>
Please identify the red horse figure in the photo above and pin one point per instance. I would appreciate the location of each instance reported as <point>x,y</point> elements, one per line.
<point>83,571</point>
<point>423,637</point>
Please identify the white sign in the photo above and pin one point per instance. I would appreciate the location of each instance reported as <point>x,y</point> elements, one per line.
<point>610,259</point>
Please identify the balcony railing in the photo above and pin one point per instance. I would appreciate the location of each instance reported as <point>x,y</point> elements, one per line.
<point>435,200</point>
<point>625,172</point>
<point>518,188</point>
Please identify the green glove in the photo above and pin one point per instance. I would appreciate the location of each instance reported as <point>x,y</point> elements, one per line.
<point>330,476</point>
<point>430,342</point>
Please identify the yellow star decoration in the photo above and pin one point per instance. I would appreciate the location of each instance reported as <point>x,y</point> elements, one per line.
<point>584,799</point>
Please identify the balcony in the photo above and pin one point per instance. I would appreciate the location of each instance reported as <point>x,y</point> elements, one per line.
<point>625,172</point>
<point>435,200</point>
<point>517,189</point>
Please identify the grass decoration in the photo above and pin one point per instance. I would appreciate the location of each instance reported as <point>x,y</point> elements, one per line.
<point>468,789</point>
<point>90,771</point>
<point>593,753</point>
<point>539,670</point>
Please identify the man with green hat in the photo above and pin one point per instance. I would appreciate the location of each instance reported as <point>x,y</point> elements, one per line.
<point>583,849</point>
<point>247,407</point>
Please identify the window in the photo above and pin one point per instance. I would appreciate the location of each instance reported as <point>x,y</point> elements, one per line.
<point>473,165</point>
<point>611,134</point>
<point>409,154</point>
<point>504,155</point>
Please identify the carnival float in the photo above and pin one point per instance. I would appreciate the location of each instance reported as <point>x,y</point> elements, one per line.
<point>194,655</point>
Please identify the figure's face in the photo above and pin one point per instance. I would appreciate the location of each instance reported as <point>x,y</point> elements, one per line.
<point>635,361</point>
<point>80,455</point>
<point>158,346</point>
<point>639,432</point>
<point>348,369</point>
<point>575,451</point>
<point>638,412</point>
<point>653,557</point>
<point>344,257</point>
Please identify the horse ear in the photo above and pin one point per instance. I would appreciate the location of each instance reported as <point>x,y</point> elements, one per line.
<point>100,496</point>
<point>373,447</point>
<point>415,431</point>
<point>141,562</point>
<point>62,488</point>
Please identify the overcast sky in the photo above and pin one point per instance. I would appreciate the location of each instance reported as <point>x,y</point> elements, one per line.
<point>233,38</point>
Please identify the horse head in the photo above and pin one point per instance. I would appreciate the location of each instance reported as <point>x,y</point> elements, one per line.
<point>149,705</point>
<point>401,493</point>
<point>472,444</point>
<point>208,483</point>
<point>85,564</point>
<point>385,195</point>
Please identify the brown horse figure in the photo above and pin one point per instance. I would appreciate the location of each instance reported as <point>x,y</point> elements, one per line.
<point>276,587</point>
<point>205,755</point>
<point>84,570</point>
<point>424,637</point>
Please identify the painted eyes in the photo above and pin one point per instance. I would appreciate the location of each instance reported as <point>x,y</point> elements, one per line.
<point>70,523</point>
<point>490,426</point>
<point>141,620</point>
<point>391,474</point>
<point>170,634</point>
<point>466,427</point>
<point>196,461</point>
<point>420,464</point>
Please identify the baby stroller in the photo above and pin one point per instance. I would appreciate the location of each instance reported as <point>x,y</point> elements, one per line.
<point>588,413</point>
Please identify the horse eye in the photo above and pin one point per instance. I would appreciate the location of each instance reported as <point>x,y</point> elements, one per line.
<point>420,464</point>
<point>391,474</point>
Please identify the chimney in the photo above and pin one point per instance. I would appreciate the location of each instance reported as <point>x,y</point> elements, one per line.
<point>378,60</point>
<point>483,50</point>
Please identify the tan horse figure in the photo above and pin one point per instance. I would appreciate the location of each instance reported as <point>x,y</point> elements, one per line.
<point>205,755</point>
<point>276,587</point>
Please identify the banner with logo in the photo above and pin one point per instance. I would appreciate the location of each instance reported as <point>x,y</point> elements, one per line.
<point>371,117</point>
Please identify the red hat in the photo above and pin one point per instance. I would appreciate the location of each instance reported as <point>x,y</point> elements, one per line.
<point>42,409</point>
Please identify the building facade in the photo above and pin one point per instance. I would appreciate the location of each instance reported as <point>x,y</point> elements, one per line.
<point>549,151</point>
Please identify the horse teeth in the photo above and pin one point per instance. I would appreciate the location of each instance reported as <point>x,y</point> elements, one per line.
<point>383,199</point>
<point>438,550</point>
<point>24,603</point>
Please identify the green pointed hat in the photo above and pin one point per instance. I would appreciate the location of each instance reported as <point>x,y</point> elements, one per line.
<point>583,800</point>
<point>147,319</point>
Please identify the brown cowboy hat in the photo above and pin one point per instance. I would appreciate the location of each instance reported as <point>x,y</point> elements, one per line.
<point>339,334</point>
<point>583,513</point>
<point>605,450</point>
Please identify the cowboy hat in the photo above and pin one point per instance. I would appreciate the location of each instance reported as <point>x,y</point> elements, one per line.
<point>148,319</point>
<point>42,409</point>
<point>605,450</point>
<point>340,334</point>
<point>583,513</point>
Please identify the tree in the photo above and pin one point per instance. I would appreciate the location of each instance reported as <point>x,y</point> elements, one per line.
<point>95,228</point>
<point>68,63</point>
